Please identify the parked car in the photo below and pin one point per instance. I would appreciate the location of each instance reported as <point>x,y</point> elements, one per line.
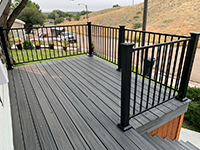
<point>45,37</point>
<point>68,36</point>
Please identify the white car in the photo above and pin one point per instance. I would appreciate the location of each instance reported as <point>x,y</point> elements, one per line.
<point>68,36</point>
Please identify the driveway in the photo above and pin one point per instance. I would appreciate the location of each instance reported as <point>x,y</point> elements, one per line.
<point>195,75</point>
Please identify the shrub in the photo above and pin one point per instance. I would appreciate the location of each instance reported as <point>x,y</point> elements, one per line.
<point>193,93</point>
<point>136,17</point>
<point>193,113</point>
<point>137,25</point>
<point>27,44</point>
<point>167,20</point>
<point>116,5</point>
<point>69,19</point>
<point>137,39</point>
<point>139,12</point>
<point>37,43</point>
<point>58,20</point>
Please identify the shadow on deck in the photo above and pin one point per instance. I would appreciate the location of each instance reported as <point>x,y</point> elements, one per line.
<point>75,104</point>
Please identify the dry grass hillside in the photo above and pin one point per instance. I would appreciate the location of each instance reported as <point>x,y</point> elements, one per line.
<point>167,16</point>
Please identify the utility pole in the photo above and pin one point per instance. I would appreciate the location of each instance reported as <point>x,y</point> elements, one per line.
<point>145,15</point>
<point>132,2</point>
<point>144,24</point>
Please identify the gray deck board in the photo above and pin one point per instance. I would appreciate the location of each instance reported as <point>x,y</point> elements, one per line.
<point>17,131</point>
<point>25,115</point>
<point>48,110</point>
<point>39,119</point>
<point>68,126</point>
<point>97,112</point>
<point>74,104</point>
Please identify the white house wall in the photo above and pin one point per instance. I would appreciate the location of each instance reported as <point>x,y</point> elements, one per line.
<point>20,32</point>
<point>6,136</point>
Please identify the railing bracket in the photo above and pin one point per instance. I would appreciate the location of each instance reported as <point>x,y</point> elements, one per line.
<point>124,128</point>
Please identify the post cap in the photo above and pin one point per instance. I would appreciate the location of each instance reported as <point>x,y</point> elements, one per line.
<point>122,26</point>
<point>128,44</point>
<point>197,33</point>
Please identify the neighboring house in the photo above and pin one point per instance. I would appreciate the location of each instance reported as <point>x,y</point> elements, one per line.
<point>19,24</point>
<point>50,20</point>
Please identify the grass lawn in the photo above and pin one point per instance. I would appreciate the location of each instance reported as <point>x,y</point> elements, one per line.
<point>22,57</point>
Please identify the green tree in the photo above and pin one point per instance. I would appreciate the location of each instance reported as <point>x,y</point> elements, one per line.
<point>31,16</point>
<point>69,19</point>
<point>58,20</point>
<point>77,17</point>
<point>56,13</point>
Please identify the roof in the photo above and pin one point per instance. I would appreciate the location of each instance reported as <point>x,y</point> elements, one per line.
<point>19,21</point>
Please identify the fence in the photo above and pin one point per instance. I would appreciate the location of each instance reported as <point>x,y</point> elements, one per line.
<point>42,43</point>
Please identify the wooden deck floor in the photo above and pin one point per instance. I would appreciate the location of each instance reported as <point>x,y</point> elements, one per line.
<point>73,104</point>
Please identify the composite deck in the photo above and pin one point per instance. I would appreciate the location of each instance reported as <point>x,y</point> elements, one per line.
<point>74,104</point>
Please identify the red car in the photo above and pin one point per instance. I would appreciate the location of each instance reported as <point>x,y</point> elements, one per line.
<point>45,37</point>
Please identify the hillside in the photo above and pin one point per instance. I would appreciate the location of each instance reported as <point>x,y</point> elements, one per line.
<point>168,16</point>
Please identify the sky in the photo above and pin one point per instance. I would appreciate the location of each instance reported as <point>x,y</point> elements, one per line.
<point>72,5</point>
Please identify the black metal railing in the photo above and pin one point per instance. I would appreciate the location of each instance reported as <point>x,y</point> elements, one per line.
<point>159,73</point>
<point>49,42</point>
<point>105,42</point>
<point>155,67</point>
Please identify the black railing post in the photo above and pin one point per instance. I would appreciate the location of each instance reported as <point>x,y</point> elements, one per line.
<point>3,41</point>
<point>90,39</point>
<point>121,40</point>
<point>190,55</point>
<point>127,49</point>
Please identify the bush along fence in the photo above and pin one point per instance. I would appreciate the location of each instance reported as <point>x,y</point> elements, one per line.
<point>155,67</point>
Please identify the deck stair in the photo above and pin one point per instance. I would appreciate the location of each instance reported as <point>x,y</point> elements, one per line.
<point>168,144</point>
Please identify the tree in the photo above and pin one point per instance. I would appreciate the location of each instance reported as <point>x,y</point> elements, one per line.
<point>77,17</point>
<point>58,20</point>
<point>8,14</point>
<point>56,13</point>
<point>31,16</point>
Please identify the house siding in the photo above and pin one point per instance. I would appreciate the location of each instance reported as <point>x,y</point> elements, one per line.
<point>6,138</point>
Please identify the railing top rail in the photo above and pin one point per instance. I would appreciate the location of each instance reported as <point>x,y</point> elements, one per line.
<point>105,26</point>
<point>181,36</point>
<point>47,27</point>
<point>161,44</point>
